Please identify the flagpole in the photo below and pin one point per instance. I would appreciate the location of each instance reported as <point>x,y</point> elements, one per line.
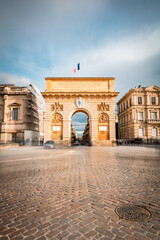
<point>78,68</point>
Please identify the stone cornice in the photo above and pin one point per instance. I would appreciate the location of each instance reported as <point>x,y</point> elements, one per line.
<point>13,93</point>
<point>79,94</point>
<point>125,96</point>
<point>79,78</point>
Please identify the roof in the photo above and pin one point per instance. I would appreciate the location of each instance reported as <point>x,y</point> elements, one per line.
<point>151,88</point>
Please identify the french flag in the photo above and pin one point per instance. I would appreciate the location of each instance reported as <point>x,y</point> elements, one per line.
<point>76,68</point>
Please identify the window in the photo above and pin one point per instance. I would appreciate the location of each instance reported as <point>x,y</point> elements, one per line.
<point>15,114</point>
<point>139,100</point>
<point>130,102</point>
<point>140,116</point>
<point>126,118</point>
<point>127,104</point>
<point>13,137</point>
<point>127,133</point>
<point>154,132</point>
<point>141,132</point>
<point>154,116</point>
<point>153,100</point>
<point>123,106</point>
<point>130,116</point>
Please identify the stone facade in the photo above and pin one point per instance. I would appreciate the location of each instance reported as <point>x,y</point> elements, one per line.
<point>21,115</point>
<point>139,114</point>
<point>93,96</point>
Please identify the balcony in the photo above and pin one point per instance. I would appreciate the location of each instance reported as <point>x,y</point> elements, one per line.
<point>153,120</point>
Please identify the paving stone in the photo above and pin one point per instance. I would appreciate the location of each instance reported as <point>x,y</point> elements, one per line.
<point>73,195</point>
<point>4,238</point>
<point>41,238</point>
<point>20,237</point>
<point>16,233</point>
<point>104,232</point>
<point>90,234</point>
<point>63,235</point>
<point>74,236</point>
<point>53,233</point>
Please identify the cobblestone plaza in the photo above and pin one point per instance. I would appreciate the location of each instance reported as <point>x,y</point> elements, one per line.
<point>72,193</point>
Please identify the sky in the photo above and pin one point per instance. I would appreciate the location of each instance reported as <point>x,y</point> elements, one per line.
<point>79,121</point>
<point>110,38</point>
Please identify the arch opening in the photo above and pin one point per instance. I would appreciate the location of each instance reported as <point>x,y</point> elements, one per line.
<point>80,132</point>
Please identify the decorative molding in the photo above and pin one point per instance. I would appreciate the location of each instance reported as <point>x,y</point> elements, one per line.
<point>57,107</point>
<point>103,107</point>
<point>12,105</point>
<point>74,95</point>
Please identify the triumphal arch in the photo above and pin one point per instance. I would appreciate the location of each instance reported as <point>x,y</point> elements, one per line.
<point>93,96</point>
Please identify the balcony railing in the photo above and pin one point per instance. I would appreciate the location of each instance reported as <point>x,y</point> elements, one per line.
<point>153,120</point>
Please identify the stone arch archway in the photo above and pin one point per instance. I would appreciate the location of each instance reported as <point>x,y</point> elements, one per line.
<point>93,96</point>
<point>56,127</point>
<point>103,126</point>
<point>84,110</point>
<point>86,134</point>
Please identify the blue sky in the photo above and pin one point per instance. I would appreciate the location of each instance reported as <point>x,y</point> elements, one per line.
<point>79,120</point>
<point>110,38</point>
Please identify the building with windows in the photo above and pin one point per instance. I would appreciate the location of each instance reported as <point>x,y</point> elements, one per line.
<point>85,135</point>
<point>73,134</point>
<point>139,114</point>
<point>21,114</point>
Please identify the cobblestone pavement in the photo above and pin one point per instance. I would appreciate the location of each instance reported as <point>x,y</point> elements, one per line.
<point>72,193</point>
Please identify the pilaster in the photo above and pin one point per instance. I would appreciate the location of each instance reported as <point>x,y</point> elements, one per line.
<point>5,117</point>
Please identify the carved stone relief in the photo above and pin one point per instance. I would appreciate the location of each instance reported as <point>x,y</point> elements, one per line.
<point>103,118</point>
<point>56,118</point>
<point>102,107</point>
<point>57,107</point>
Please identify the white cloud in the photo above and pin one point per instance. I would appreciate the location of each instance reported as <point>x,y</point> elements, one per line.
<point>111,57</point>
<point>6,78</point>
<point>133,48</point>
<point>129,59</point>
<point>79,132</point>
